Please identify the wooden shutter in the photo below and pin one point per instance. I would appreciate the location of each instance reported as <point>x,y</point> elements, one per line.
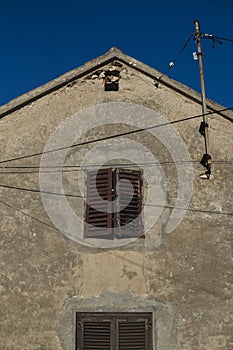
<point>129,203</point>
<point>133,334</point>
<point>120,331</point>
<point>94,334</point>
<point>98,218</point>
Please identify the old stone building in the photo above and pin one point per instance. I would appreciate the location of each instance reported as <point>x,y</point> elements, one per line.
<point>110,239</point>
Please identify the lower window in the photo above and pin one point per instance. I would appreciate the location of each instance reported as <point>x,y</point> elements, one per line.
<point>118,331</point>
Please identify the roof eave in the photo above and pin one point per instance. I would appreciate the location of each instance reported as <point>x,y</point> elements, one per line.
<point>90,66</point>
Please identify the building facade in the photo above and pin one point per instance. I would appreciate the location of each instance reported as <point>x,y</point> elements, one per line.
<point>110,239</point>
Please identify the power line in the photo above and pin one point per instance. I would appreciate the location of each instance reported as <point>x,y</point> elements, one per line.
<point>172,63</point>
<point>39,191</point>
<point>30,216</point>
<point>114,136</point>
<point>78,168</point>
<point>214,37</point>
<point>41,171</point>
<point>189,209</point>
<point>225,39</point>
<point>145,204</point>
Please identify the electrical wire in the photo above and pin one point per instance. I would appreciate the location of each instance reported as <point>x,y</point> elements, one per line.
<point>39,191</point>
<point>77,168</point>
<point>115,136</point>
<point>189,209</point>
<point>40,171</point>
<point>144,204</point>
<point>172,63</point>
<point>30,216</point>
<point>214,37</point>
<point>225,39</point>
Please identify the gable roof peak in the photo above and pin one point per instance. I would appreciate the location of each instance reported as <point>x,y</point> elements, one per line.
<point>114,49</point>
<point>112,54</point>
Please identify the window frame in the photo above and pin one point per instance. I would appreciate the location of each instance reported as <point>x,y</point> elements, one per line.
<point>116,222</point>
<point>115,320</point>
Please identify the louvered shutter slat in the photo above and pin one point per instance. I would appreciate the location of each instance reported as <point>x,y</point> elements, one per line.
<point>96,335</point>
<point>98,218</point>
<point>132,335</point>
<point>129,216</point>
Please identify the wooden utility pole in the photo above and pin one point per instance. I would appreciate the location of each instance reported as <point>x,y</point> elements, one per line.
<point>203,95</point>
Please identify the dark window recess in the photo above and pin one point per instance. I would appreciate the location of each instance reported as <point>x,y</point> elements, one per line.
<point>111,80</point>
<point>121,331</point>
<point>114,200</point>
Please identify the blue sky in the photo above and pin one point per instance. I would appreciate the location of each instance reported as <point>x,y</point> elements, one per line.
<point>41,40</point>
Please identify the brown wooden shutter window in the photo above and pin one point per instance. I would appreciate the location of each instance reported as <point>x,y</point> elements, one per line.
<point>129,216</point>
<point>105,188</point>
<point>121,331</point>
<point>98,220</point>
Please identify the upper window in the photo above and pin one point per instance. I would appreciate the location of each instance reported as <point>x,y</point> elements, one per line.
<point>103,331</point>
<point>111,80</point>
<point>113,204</point>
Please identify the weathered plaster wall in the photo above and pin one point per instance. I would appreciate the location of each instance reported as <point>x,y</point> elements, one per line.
<point>45,276</point>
